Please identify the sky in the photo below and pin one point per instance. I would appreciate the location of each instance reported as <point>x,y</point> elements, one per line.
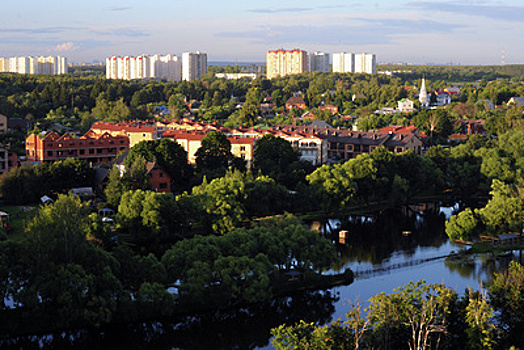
<point>408,31</point>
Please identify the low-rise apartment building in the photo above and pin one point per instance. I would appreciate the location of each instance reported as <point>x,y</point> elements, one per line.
<point>92,147</point>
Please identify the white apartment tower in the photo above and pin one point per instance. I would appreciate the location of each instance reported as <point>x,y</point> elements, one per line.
<point>343,62</point>
<point>318,62</point>
<point>112,67</point>
<point>194,65</point>
<point>143,67</point>
<point>354,63</point>
<point>167,67</point>
<point>50,65</point>
<point>365,63</point>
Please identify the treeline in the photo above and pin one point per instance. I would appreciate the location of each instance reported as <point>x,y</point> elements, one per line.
<point>422,316</point>
<point>28,183</point>
<point>457,74</point>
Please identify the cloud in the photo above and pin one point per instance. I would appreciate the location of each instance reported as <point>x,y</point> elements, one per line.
<point>506,13</point>
<point>296,9</point>
<point>41,30</point>
<point>282,10</point>
<point>357,31</point>
<point>119,8</point>
<point>66,47</point>
<point>121,31</point>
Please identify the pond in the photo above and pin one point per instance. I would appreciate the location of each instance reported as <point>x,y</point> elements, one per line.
<point>386,250</point>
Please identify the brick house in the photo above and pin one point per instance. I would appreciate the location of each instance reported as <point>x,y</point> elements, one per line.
<point>96,149</point>
<point>159,180</point>
<point>8,160</point>
<point>295,102</point>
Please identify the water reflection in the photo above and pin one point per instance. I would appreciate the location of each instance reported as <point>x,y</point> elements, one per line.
<point>379,238</point>
<point>482,267</point>
<point>240,328</point>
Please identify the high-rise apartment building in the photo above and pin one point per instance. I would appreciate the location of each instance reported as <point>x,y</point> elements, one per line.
<point>143,67</point>
<point>365,63</point>
<point>343,62</point>
<point>50,65</point>
<point>168,67</point>
<point>194,65</point>
<point>283,62</point>
<point>318,62</point>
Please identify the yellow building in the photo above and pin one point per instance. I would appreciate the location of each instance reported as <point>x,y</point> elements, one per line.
<point>284,62</point>
<point>135,131</point>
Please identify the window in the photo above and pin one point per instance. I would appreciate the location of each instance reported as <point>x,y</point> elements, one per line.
<point>49,153</point>
<point>91,151</point>
<point>82,152</point>
<point>162,185</point>
<point>160,174</point>
<point>242,148</point>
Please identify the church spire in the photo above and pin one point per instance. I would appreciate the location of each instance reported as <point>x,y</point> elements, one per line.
<point>423,94</point>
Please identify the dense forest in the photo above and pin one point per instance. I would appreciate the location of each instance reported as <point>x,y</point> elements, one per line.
<point>211,239</point>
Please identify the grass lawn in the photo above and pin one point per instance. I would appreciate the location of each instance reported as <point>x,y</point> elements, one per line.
<point>19,217</point>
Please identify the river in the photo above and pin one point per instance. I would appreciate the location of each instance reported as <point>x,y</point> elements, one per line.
<point>386,251</point>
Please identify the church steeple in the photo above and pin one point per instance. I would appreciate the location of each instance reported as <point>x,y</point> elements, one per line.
<point>423,94</point>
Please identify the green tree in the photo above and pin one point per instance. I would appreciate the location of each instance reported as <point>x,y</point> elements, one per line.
<point>464,226</point>
<point>505,210</point>
<point>148,216</point>
<point>480,331</point>
<point>273,156</point>
<point>334,186</point>
<point>115,188</point>
<point>57,233</point>
<point>506,295</point>
<point>177,106</point>
<point>300,336</point>
<point>154,301</point>
<point>214,155</point>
